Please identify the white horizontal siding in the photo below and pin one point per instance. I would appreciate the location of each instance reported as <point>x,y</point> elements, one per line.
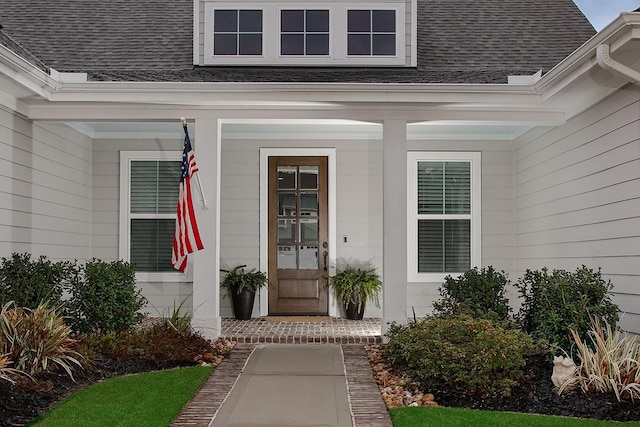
<point>45,189</point>
<point>359,203</point>
<point>578,197</point>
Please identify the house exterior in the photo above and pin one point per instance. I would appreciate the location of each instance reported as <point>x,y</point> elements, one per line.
<point>419,137</point>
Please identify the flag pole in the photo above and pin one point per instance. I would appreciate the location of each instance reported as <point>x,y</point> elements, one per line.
<point>197,175</point>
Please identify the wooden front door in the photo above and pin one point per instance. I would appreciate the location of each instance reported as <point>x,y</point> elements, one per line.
<point>298,246</point>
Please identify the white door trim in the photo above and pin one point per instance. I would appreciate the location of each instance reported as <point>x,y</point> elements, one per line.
<point>265,153</point>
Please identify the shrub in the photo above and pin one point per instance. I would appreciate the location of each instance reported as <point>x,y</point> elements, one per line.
<point>462,355</point>
<point>36,339</point>
<point>29,282</point>
<point>610,364</point>
<point>554,304</point>
<point>476,292</point>
<point>160,344</point>
<point>107,299</point>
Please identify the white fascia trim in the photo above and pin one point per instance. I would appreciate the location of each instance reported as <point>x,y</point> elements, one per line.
<point>26,74</point>
<point>584,59</point>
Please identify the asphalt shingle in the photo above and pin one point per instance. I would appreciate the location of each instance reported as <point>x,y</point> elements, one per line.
<point>459,41</point>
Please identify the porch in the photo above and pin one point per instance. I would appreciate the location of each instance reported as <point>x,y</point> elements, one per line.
<point>302,330</point>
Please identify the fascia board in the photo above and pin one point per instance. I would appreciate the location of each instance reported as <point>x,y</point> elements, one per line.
<point>583,60</point>
<point>25,74</point>
<point>230,94</point>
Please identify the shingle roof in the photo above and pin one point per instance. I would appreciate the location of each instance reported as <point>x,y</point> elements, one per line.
<point>459,41</point>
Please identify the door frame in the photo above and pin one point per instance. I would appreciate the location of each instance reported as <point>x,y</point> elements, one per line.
<point>265,153</point>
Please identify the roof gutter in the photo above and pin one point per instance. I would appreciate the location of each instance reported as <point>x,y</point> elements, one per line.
<point>583,58</point>
<point>605,61</point>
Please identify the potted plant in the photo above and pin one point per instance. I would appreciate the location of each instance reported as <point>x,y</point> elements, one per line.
<point>353,286</point>
<point>242,287</point>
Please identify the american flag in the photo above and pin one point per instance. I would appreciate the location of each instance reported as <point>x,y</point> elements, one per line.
<point>187,237</point>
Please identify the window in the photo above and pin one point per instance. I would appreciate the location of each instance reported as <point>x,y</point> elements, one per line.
<point>304,32</point>
<point>444,214</point>
<point>294,33</point>
<point>150,182</point>
<point>371,32</point>
<point>237,32</point>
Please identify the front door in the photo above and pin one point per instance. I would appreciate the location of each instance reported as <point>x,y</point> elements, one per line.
<point>298,246</point>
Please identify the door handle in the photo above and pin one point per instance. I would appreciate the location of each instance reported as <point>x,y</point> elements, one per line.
<point>324,255</point>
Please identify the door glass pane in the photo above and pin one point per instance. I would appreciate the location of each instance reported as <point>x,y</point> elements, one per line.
<point>287,230</point>
<point>309,177</point>
<point>308,257</point>
<point>308,204</point>
<point>308,230</point>
<point>286,177</point>
<point>287,204</point>
<point>287,257</point>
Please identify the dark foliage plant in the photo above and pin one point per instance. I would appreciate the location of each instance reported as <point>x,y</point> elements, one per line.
<point>464,355</point>
<point>29,282</point>
<point>159,344</point>
<point>479,292</point>
<point>107,298</point>
<point>236,279</point>
<point>555,303</point>
<point>356,285</point>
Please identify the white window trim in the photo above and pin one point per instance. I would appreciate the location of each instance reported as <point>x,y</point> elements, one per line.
<point>413,157</point>
<point>126,157</point>
<point>337,34</point>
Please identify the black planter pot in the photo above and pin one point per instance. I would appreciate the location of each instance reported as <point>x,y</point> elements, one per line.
<point>243,304</point>
<point>352,313</point>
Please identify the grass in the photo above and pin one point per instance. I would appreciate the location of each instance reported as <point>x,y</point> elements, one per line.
<point>453,417</point>
<point>151,399</point>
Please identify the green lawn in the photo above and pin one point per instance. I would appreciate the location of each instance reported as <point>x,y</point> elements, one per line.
<point>152,399</point>
<point>452,417</point>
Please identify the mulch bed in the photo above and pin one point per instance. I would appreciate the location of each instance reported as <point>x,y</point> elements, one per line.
<point>20,405</point>
<point>537,396</point>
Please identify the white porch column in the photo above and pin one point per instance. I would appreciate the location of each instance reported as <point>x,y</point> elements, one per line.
<point>206,263</point>
<point>394,238</point>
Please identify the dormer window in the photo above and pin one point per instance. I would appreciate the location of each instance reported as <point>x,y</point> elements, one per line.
<point>304,32</point>
<point>371,32</point>
<point>237,32</point>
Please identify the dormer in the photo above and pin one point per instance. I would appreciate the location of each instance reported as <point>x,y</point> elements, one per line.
<point>304,33</point>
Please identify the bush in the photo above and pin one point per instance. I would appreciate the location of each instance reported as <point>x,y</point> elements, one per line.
<point>554,304</point>
<point>29,282</point>
<point>610,364</point>
<point>37,340</point>
<point>107,299</point>
<point>160,344</point>
<point>461,355</point>
<point>476,292</point>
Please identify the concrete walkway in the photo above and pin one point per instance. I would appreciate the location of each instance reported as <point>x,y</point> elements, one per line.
<point>289,385</point>
<point>284,385</point>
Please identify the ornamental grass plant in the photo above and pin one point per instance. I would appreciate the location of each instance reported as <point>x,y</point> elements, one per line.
<point>37,340</point>
<point>609,362</point>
